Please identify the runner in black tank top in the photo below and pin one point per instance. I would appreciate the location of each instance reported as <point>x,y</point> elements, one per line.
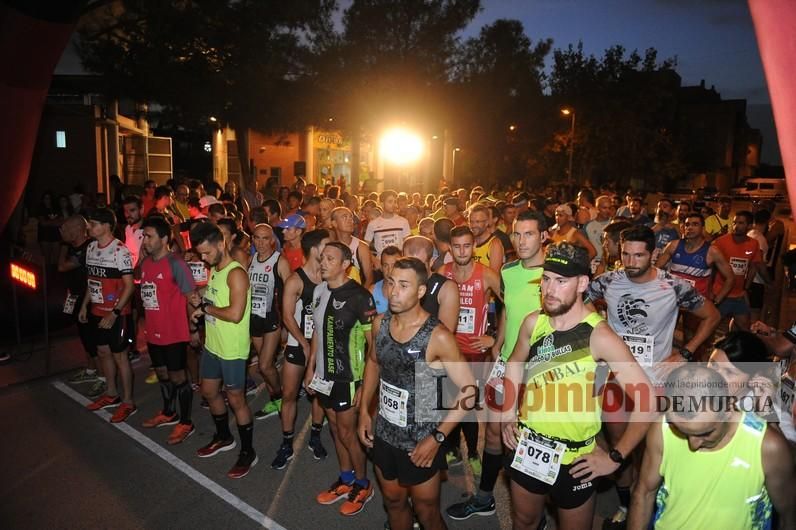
<point>442,295</point>
<point>411,349</point>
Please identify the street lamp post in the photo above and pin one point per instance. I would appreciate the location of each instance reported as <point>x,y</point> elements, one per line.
<point>453,165</point>
<point>570,112</point>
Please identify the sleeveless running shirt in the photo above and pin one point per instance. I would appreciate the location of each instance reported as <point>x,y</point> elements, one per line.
<point>355,271</point>
<point>714,489</point>
<point>226,340</point>
<point>430,301</point>
<point>481,252</point>
<point>401,366</point>
<point>522,295</point>
<point>473,307</point>
<point>559,362</point>
<point>303,310</point>
<point>382,304</point>
<point>692,266</point>
<point>265,283</point>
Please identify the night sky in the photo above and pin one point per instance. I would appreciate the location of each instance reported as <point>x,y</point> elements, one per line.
<point>712,40</point>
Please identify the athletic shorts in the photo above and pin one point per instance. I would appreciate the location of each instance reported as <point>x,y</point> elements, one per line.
<point>567,492</point>
<point>341,398</point>
<point>115,337</point>
<point>172,356</point>
<point>395,464</point>
<point>232,372</point>
<point>295,355</point>
<point>756,295</point>
<point>259,326</point>
<point>733,306</point>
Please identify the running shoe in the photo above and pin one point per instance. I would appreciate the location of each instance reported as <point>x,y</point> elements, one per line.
<point>336,492</point>
<point>472,506</point>
<point>271,408</point>
<point>160,420</point>
<point>180,432</point>
<point>151,378</point>
<point>475,465</point>
<point>134,356</point>
<point>99,387</point>
<point>357,499</point>
<point>104,402</point>
<point>453,458</point>
<point>283,456</point>
<point>195,387</point>
<point>84,376</point>
<point>317,448</point>
<point>204,404</point>
<point>216,446</point>
<point>618,521</point>
<point>124,411</point>
<point>251,387</point>
<point>246,461</point>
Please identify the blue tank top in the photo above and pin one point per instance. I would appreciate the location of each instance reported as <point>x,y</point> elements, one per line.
<point>693,267</point>
<point>382,305</point>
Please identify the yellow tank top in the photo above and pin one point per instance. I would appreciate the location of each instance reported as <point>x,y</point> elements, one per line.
<point>714,489</point>
<point>481,252</point>
<point>560,399</point>
<point>227,340</point>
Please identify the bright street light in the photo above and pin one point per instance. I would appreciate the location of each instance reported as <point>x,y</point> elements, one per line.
<point>213,119</point>
<point>401,146</point>
<point>570,112</point>
<point>512,128</point>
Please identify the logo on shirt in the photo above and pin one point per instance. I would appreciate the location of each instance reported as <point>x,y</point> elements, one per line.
<point>632,312</point>
<point>159,276</point>
<point>337,304</point>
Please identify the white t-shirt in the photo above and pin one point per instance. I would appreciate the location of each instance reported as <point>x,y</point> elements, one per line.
<point>384,232</point>
<point>761,240</point>
<point>133,237</point>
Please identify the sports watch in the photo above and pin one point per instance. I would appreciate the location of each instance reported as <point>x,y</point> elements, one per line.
<point>616,456</point>
<point>439,436</point>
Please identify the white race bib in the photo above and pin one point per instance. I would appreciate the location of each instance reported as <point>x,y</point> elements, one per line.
<point>786,395</point>
<point>538,457</point>
<point>321,385</point>
<point>309,327</point>
<point>149,296</point>
<point>739,266</point>
<point>388,238</point>
<point>495,379</point>
<point>260,298</point>
<point>641,346</point>
<point>392,403</point>
<point>69,303</point>
<point>209,319</point>
<point>198,271</point>
<point>95,291</point>
<point>466,320</point>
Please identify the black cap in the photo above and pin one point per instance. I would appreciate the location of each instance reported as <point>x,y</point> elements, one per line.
<point>567,259</point>
<point>451,201</point>
<point>102,215</point>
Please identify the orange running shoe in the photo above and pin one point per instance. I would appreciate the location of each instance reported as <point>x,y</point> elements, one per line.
<point>124,411</point>
<point>104,402</point>
<point>357,499</point>
<point>180,432</point>
<point>336,491</point>
<point>160,420</point>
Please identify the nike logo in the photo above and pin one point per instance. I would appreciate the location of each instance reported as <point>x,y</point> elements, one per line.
<point>737,462</point>
<point>412,351</point>
<point>747,252</point>
<point>342,404</point>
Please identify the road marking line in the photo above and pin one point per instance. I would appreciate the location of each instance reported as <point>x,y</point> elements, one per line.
<point>215,488</point>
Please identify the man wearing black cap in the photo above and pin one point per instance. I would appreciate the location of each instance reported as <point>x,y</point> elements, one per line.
<point>556,453</point>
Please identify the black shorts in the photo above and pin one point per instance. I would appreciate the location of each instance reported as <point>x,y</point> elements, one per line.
<point>567,492</point>
<point>259,326</point>
<point>295,355</point>
<point>341,398</point>
<point>395,464</point>
<point>116,337</point>
<point>172,356</point>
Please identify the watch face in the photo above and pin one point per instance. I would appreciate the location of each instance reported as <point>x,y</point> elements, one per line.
<point>440,437</point>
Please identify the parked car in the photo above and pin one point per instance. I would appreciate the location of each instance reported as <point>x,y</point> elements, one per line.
<point>765,188</point>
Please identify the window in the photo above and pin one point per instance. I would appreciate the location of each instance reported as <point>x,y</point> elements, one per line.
<point>60,139</point>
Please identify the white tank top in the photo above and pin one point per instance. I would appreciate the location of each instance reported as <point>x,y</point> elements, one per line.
<point>262,281</point>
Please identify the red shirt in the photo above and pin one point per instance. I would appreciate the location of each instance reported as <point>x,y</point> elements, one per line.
<point>473,307</point>
<point>164,286</point>
<point>740,256</point>
<point>105,267</point>
<point>294,256</point>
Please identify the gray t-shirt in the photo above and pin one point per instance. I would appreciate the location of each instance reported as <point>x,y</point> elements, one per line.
<point>645,314</point>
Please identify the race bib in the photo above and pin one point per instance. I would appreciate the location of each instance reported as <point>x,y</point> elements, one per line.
<point>321,385</point>
<point>149,296</point>
<point>392,403</point>
<point>198,271</point>
<point>209,319</point>
<point>95,291</point>
<point>495,379</point>
<point>388,238</point>
<point>538,457</point>
<point>309,327</point>
<point>786,395</point>
<point>466,320</point>
<point>69,303</point>
<point>739,266</point>
<point>641,346</point>
<point>261,296</point>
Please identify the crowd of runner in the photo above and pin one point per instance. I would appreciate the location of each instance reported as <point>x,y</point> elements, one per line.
<point>361,304</point>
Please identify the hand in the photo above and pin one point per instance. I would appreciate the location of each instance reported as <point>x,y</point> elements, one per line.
<point>423,454</point>
<point>761,328</point>
<point>593,465</point>
<point>510,435</point>
<point>308,375</point>
<point>195,339</point>
<point>365,430</point>
<point>197,314</point>
<point>675,357</point>
<point>82,315</point>
<point>107,321</point>
<point>482,343</point>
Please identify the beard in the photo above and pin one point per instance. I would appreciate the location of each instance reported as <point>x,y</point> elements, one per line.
<point>636,272</point>
<point>557,310</point>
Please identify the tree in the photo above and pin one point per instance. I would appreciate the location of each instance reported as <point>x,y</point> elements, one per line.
<point>238,60</point>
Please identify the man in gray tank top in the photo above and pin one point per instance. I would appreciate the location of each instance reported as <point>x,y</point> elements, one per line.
<point>411,346</point>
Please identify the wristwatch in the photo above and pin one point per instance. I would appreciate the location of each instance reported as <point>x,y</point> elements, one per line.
<point>439,436</point>
<point>616,456</point>
<point>687,354</point>
<point>116,311</point>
